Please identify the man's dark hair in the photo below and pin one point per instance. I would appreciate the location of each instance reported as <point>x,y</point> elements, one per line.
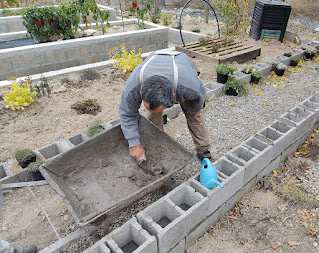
<point>157,90</point>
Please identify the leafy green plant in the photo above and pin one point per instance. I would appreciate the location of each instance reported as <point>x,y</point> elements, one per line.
<point>140,8</point>
<point>43,88</point>
<point>95,128</point>
<point>125,60</point>
<point>8,3</point>
<point>89,106</point>
<point>295,59</point>
<point>247,70</point>
<point>7,13</point>
<point>23,155</point>
<point>155,19</point>
<point>288,54</point>
<point>238,85</point>
<point>19,96</point>
<point>166,20</point>
<point>225,69</point>
<point>215,46</point>
<point>34,166</point>
<point>196,30</point>
<point>235,16</point>
<point>256,74</point>
<point>60,22</point>
<point>204,40</point>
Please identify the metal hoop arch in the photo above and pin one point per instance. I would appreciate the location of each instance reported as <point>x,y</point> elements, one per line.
<point>180,20</point>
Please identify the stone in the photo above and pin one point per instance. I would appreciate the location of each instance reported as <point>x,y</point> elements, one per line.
<point>59,89</point>
<point>89,32</point>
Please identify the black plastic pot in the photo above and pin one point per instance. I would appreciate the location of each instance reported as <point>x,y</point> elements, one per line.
<point>309,56</point>
<point>27,162</point>
<point>231,92</point>
<point>36,175</point>
<point>222,78</point>
<point>287,55</point>
<point>255,80</point>
<point>279,72</point>
<point>165,119</point>
<point>293,63</point>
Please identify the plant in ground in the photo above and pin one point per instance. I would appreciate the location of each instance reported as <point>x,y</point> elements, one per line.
<point>141,8</point>
<point>43,88</point>
<point>34,166</point>
<point>256,74</point>
<point>95,128</point>
<point>215,46</point>
<point>196,30</point>
<point>89,106</point>
<point>125,60</point>
<point>238,85</point>
<point>225,69</point>
<point>23,155</point>
<point>166,20</point>
<point>62,21</point>
<point>19,96</point>
<point>235,16</point>
<point>6,13</point>
<point>204,40</point>
<point>8,3</point>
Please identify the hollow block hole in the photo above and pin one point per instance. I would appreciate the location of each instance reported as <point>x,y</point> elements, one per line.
<point>226,167</point>
<point>129,247</point>
<point>312,105</point>
<point>164,221</point>
<point>243,154</point>
<point>256,144</point>
<point>281,127</point>
<point>314,99</point>
<point>270,134</point>
<point>293,117</point>
<point>2,172</point>
<point>76,139</point>
<point>301,112</point>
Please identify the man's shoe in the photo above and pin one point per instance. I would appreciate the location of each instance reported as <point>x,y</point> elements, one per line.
<point>206,154</point>
<point>26,249</point>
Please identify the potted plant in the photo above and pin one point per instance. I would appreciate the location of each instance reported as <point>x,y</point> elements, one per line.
<point>309,52</point>
<point>164,117</point>
<point>25,157</point>
<point>247,70</point>
<point>223,71</point>
<point>235,87</point>
<point>280,69</point>
<point>34,169</point>
<point>287,54</point>
<point>255,77</point>
<point>294,62</point>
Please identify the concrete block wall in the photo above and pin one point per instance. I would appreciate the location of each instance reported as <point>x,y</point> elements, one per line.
<point>41,58</point>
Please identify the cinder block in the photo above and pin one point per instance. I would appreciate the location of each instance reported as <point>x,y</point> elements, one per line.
<point>55,148</point>
<point>54,56</point>
<point>13,73</point>
<point>111,124</point>
<point>91,59</point>
<point>130,237</point>
<point>68,64</point>
<point>300,118</point>
<point>179,248</point>
<point>263,68</point>
<point>206,224</point>
<point>231,175</point>
<point>174,111</point>
<point>193,205</point>
<point>249,159</point>
<point>98,247</point>
<point>6,65</point>
<point>230,203</point>
<point>100,47</point>
<point>311,104</point>
<point>77,139</point>
<point>282,59</point>
<point>3,173</point>
<point>279,140</point>
<point>150,48</point>
<point>243,76</point>
<point>297,53</point>
<point>165,221</point>
<point>213,88</point>
<point>273,165</point>
<point>30,59</point>
<point>42,68</point>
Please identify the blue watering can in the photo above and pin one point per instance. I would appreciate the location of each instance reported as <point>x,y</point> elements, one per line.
<point>208,175</point>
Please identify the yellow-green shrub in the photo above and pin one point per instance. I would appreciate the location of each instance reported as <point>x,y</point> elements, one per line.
<point>125,60</point>
<point>19,96</point>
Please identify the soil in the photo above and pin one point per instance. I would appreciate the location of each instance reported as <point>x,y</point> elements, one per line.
<point>258,224</point>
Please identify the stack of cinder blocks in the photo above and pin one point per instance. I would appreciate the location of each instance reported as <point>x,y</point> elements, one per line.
<point>177,220</point>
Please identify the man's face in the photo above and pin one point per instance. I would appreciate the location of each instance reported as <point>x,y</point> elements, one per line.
<point>156,110</point>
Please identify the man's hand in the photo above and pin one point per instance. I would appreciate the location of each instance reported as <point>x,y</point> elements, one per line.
<point>138,153</point>
<point>196,116</point>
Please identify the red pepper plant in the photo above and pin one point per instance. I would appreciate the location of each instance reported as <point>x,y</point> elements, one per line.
<point>52,23</point>
<point>140,8</point>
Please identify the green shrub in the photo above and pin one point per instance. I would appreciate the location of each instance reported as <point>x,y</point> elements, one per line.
<point>247,70</point>
<point>196,30</point>
<point>34,166</point>
<point>23,155</point>
<point>165,19</point>
<point>43,88</point>
<point>225,69</point>
<point>256,74</point>
<point>238,85</point>
<point>95,128</point>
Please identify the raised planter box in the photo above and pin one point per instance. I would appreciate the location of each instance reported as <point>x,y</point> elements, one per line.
<point>40,58</point>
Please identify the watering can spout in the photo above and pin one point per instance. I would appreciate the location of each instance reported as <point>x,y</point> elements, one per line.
<point>208,175</point>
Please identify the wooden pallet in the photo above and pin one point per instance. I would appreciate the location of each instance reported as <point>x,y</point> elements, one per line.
<point>228,52</point>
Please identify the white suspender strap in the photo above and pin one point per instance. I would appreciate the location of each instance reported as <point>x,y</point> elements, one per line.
<point>143,68</point>
<point>175,78</point>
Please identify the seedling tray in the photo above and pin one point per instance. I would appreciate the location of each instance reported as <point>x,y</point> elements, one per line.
<point>229,51</point>
<point>98,178</point>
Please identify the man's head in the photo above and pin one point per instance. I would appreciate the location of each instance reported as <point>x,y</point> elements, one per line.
<point>156,93</point>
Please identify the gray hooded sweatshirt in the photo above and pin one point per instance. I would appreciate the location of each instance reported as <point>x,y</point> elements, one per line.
<point>189,88</point>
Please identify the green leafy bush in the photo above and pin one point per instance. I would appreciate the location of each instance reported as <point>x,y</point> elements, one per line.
<point>19,96</point>
<point>238,85</point>
<point>23,155</point>
<point>140,8</point>
<point>247,70</point>
<point>166,20</point>
<point>43,88</point>
<point>125,60</point>
<point>95,128</point>
<point>225,69</point>
<point>34,166</point>
<point>89,106</point>
<point>256,74</point>
<point>215,46</point>
<point>55,22</point>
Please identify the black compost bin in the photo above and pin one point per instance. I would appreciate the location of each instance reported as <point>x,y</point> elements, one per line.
<point>271,16</point>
